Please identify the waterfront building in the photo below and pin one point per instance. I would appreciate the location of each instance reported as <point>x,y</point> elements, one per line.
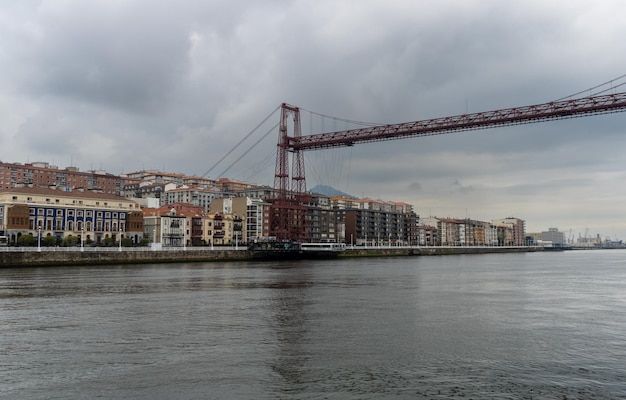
<point>375,227</point>
<point>426,236</point>
<point>553,238</point>
<point>477,233</point>
<point>224,229</point>
<point>164,227</point>
<point>175,225</point>
<point>87,216</point>
<point>374,222</point>
<point>323,225</point>
<point>512,231</point>
<point>255,213</point>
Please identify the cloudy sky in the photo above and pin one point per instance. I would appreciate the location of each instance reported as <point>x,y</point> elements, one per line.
<point>124,85</point>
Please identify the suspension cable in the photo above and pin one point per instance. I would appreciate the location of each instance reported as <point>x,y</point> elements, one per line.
<point>240,142</point>
<point>342,119</point>
<point>595,87</point>
<point>250,149</point>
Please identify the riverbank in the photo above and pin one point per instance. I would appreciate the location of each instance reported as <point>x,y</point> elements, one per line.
<point>10,257</point>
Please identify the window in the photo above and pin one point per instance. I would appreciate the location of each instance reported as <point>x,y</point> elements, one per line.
<point>59,212</point>
<point>107,215</point>
<point>40,211</point>
<point>114,215</point>
<point>50,212</point>
<point>70,213</point>
<point>79,213</point>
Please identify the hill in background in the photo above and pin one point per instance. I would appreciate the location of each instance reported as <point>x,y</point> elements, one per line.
<point>330,191</point>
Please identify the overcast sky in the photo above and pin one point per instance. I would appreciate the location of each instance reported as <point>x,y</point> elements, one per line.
<point>124,85</point>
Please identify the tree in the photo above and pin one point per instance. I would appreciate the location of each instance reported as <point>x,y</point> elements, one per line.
<point>26,240</point>
<point>70,240</point>
<point>49,241</point>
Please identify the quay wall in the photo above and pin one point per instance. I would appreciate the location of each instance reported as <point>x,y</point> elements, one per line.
<point>31,258</point>
<point>433,251</point>
<point>52,258</point>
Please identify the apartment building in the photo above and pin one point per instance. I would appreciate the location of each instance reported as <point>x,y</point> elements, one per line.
<point>88,215</point>
<point>553,237</point>
<point>375,228</point>
<point>155,176</point>
<point>196,195</point>
<point>515,235</point>
<point>343,203</point>
<point>43,174</point>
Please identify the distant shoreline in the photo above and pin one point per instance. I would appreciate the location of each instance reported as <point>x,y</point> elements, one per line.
<point>74,256</point>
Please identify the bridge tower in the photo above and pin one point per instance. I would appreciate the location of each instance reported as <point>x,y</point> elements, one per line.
<point>288,210</point>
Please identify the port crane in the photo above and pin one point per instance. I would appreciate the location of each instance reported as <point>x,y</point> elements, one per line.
<point>288,209</point>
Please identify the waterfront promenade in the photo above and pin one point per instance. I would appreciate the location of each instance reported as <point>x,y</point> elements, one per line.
<point>50,256</point>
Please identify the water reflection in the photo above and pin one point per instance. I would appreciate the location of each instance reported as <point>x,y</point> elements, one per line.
<point>498,326</point>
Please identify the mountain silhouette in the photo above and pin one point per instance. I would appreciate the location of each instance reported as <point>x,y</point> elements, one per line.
<point>330,191</point>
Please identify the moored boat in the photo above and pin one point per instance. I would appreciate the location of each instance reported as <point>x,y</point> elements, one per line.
<point>279,250</point>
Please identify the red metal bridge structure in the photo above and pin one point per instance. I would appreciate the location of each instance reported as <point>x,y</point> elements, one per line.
<point>288,210</point>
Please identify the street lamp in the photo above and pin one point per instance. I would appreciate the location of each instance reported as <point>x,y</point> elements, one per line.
<point>120,240</point>
<point>82,238</point>
<point>39,239</point>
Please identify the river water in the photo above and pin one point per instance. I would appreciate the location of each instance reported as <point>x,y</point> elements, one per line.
<point>498,326</point>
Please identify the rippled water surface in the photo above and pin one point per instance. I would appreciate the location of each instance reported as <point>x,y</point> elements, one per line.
<point>499,326</point>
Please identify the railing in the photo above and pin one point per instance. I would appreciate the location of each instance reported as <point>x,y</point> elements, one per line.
<point>116,249</point>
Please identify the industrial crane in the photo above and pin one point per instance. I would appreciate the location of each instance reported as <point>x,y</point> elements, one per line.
<point>288,210</point>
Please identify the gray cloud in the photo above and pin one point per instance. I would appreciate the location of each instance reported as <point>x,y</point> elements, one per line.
<point>149,84</point>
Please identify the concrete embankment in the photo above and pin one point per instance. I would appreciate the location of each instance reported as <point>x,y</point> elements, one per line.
<point>48,257</point>
<point>433,251</point>
<point>52,257</point>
